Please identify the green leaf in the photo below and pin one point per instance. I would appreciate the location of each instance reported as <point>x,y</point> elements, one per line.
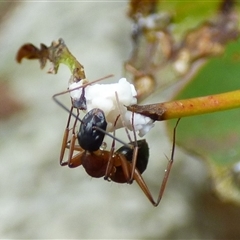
<point>216,137</point>
<point>188,15</point>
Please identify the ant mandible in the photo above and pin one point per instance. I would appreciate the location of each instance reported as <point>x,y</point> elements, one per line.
<point>113,165</point>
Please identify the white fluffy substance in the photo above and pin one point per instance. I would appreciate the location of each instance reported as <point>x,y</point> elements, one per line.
<point>103,96</point>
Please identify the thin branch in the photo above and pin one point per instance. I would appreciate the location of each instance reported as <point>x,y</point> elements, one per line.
<point>189,107</point>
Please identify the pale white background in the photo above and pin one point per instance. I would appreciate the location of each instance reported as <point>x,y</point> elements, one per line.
<point>40,199</point>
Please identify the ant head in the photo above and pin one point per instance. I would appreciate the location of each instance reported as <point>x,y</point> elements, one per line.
<point>89,136</point>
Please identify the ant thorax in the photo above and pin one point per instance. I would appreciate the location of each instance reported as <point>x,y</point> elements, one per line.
<point>103,96</point>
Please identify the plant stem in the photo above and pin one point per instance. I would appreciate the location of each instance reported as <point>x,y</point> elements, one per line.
<point>189,107</point>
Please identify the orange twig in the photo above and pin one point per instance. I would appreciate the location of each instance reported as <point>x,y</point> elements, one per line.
<point>189,107</point>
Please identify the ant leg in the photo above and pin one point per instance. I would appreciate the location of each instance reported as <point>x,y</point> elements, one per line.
<point>139,179</point>
<point>73,161</point>
<point>110,163</point>
<point>70,144</point>
<point>111,159</point>
<point>135,151</point>
<point>65,139</point>
<point>169,166</point>
<point>125,168</point>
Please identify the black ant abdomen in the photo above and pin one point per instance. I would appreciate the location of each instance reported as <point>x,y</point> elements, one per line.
<point>126,152</point>
<point>142,157</point>
<point>89,138</point>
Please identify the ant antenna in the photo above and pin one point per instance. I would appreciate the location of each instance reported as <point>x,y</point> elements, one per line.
<point>65,108</point>
<point>76,116</point>
<point>83,86</point>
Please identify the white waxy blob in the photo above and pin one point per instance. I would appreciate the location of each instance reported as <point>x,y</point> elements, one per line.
<point>103,96</point>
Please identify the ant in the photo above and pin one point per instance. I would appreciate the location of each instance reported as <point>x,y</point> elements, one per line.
<point>121,166</point>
